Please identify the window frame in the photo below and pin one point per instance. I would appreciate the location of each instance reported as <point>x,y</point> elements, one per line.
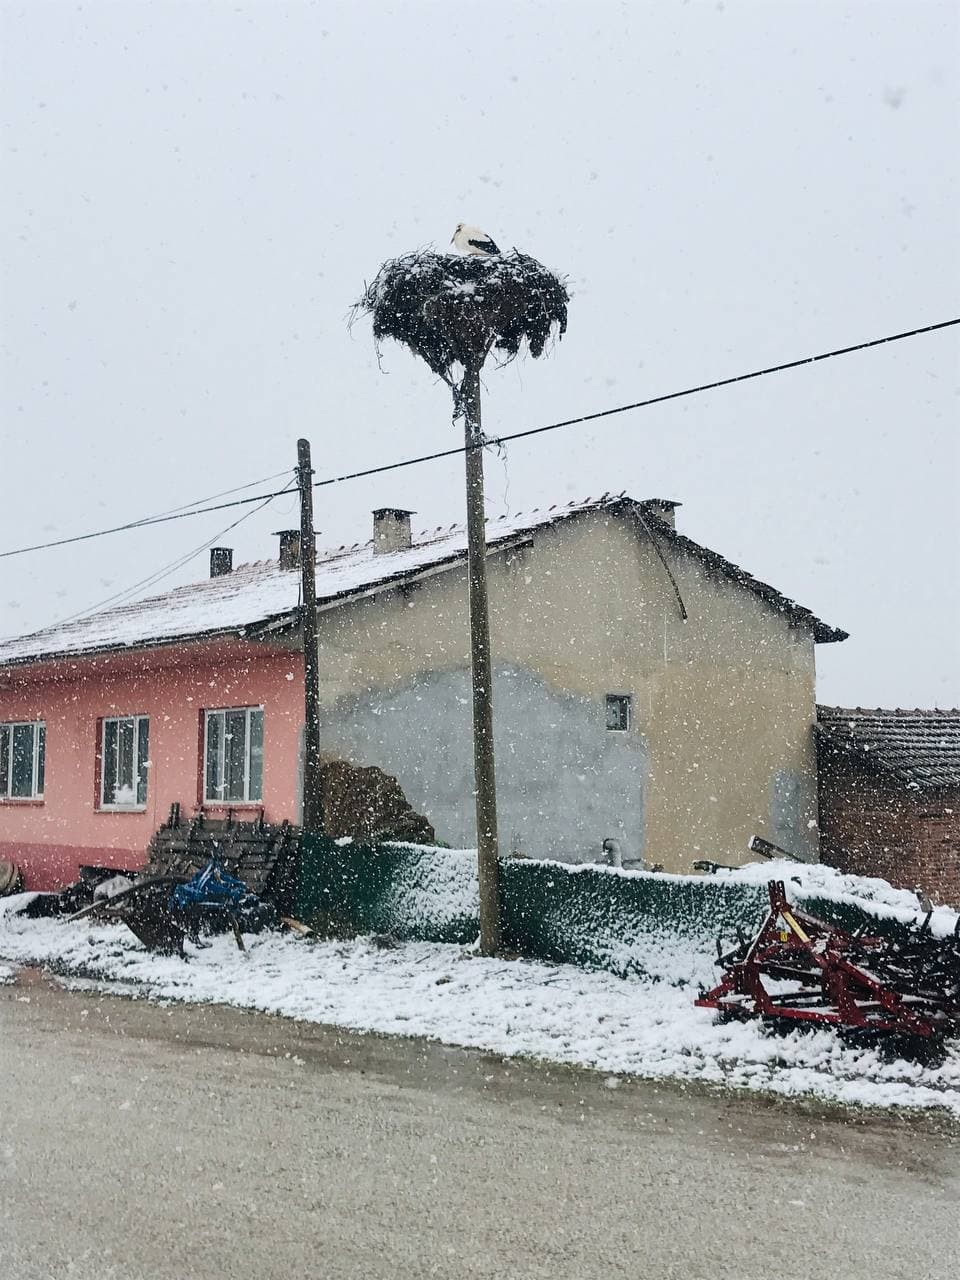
<point>38,771</point>
<point>624,701</point>
<point>138,806</point>
<point>221,801</point>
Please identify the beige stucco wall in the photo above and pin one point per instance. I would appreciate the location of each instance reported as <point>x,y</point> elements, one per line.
<point>721,741</point>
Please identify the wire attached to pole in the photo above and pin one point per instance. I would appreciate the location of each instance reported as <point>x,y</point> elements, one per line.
<point>164,518</point>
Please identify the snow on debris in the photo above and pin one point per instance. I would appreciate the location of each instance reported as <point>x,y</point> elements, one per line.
<point>555,1012</point>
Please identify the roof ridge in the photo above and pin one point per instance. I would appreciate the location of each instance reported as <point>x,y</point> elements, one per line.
<point>887,711</point>
<point>558,507</point>
<point>263,592</point>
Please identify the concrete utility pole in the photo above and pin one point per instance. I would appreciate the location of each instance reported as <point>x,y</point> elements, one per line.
<point>488,866</point>
<point>312,790</point>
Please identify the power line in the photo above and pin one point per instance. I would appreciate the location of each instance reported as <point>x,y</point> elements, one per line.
<point>120,597</point>
<point>163,518</point>
<point>224,493</point>
<point>175,513</point>
<point>640,404</point>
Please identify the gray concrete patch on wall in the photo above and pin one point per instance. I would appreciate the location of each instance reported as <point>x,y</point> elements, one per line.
<point>565,783</point>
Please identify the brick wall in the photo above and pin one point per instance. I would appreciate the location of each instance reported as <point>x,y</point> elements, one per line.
<point>873,825</point>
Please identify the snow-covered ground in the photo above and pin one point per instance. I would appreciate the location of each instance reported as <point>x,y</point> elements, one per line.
<point>556,1012</point>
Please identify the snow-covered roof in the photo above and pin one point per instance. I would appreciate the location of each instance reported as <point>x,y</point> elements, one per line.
<point>263,592</point>
<point>918,746</point>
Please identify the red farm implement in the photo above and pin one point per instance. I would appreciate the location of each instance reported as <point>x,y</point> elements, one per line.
<point>901,992</point>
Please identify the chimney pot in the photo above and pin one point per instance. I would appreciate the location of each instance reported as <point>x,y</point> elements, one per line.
<point>664,509</point>
<point>289,548</point>
<point>391,530</point>
<point>221,561</point>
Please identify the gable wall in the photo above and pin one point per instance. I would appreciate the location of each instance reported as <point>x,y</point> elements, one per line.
<point>721,744</point>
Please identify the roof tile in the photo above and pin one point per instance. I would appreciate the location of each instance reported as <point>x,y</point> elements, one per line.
<point>920,746</point>
<point>256,594</point>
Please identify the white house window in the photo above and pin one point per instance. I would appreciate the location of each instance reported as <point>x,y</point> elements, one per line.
<point>22,759</point>
<point>233,756</point>
<point>124,761</point>
<point>618,712</point>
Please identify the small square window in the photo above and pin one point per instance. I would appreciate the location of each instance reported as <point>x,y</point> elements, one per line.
<point>618,712</point>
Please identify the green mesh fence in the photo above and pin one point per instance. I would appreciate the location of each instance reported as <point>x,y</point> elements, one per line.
<point>663,927</point>
<point>409,891</point>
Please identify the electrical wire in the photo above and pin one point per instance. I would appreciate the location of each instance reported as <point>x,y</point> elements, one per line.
<point>637,404</point>
<point>224,493</point>
<point>163,518</point>
<point>121,597</point>
<point>175,513</point>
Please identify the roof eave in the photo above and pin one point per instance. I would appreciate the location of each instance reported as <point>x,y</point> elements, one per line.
<point>138,646</point>
<point>822,632</point>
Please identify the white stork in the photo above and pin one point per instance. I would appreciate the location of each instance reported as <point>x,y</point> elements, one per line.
<point>473,242</point>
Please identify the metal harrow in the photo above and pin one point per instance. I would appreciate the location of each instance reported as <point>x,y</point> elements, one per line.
<point>901,992</point>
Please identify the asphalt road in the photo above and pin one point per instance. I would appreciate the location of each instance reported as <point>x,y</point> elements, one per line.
<point>139,1142</point>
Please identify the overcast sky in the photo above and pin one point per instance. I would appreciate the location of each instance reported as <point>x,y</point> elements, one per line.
<point>195,194</point>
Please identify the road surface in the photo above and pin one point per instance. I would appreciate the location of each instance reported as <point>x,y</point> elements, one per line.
<point>139,1142</point>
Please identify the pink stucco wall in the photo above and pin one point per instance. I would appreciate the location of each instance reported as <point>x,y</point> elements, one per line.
<point>172,685</point>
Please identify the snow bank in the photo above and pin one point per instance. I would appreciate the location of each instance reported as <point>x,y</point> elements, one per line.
<point>557,1012</point>
<point>807,880</point>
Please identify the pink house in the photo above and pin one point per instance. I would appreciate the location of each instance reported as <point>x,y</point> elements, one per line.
<point>194,697</point>
<point>101,748</point>
<point>97,742</point>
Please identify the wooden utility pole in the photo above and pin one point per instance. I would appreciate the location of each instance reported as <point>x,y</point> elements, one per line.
<point>488,866</point>
<point>312,790</point>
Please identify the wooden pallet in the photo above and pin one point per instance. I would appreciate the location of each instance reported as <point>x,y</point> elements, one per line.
<point>263,855</point>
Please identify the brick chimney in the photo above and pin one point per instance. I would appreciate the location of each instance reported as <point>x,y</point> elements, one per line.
<point>391,530</point>
<point>664,509</point>
<point>289,548</point>
<point>221,561</point>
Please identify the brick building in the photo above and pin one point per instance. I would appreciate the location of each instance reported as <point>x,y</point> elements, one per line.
<point>889,796</point>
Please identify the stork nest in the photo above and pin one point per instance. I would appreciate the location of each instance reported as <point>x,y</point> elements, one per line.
<point>453,311</point>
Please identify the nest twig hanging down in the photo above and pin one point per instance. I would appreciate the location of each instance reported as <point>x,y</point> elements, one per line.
<point>453,311</point>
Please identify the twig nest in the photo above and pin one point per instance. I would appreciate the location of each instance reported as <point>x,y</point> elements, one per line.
<point>453,311</point>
